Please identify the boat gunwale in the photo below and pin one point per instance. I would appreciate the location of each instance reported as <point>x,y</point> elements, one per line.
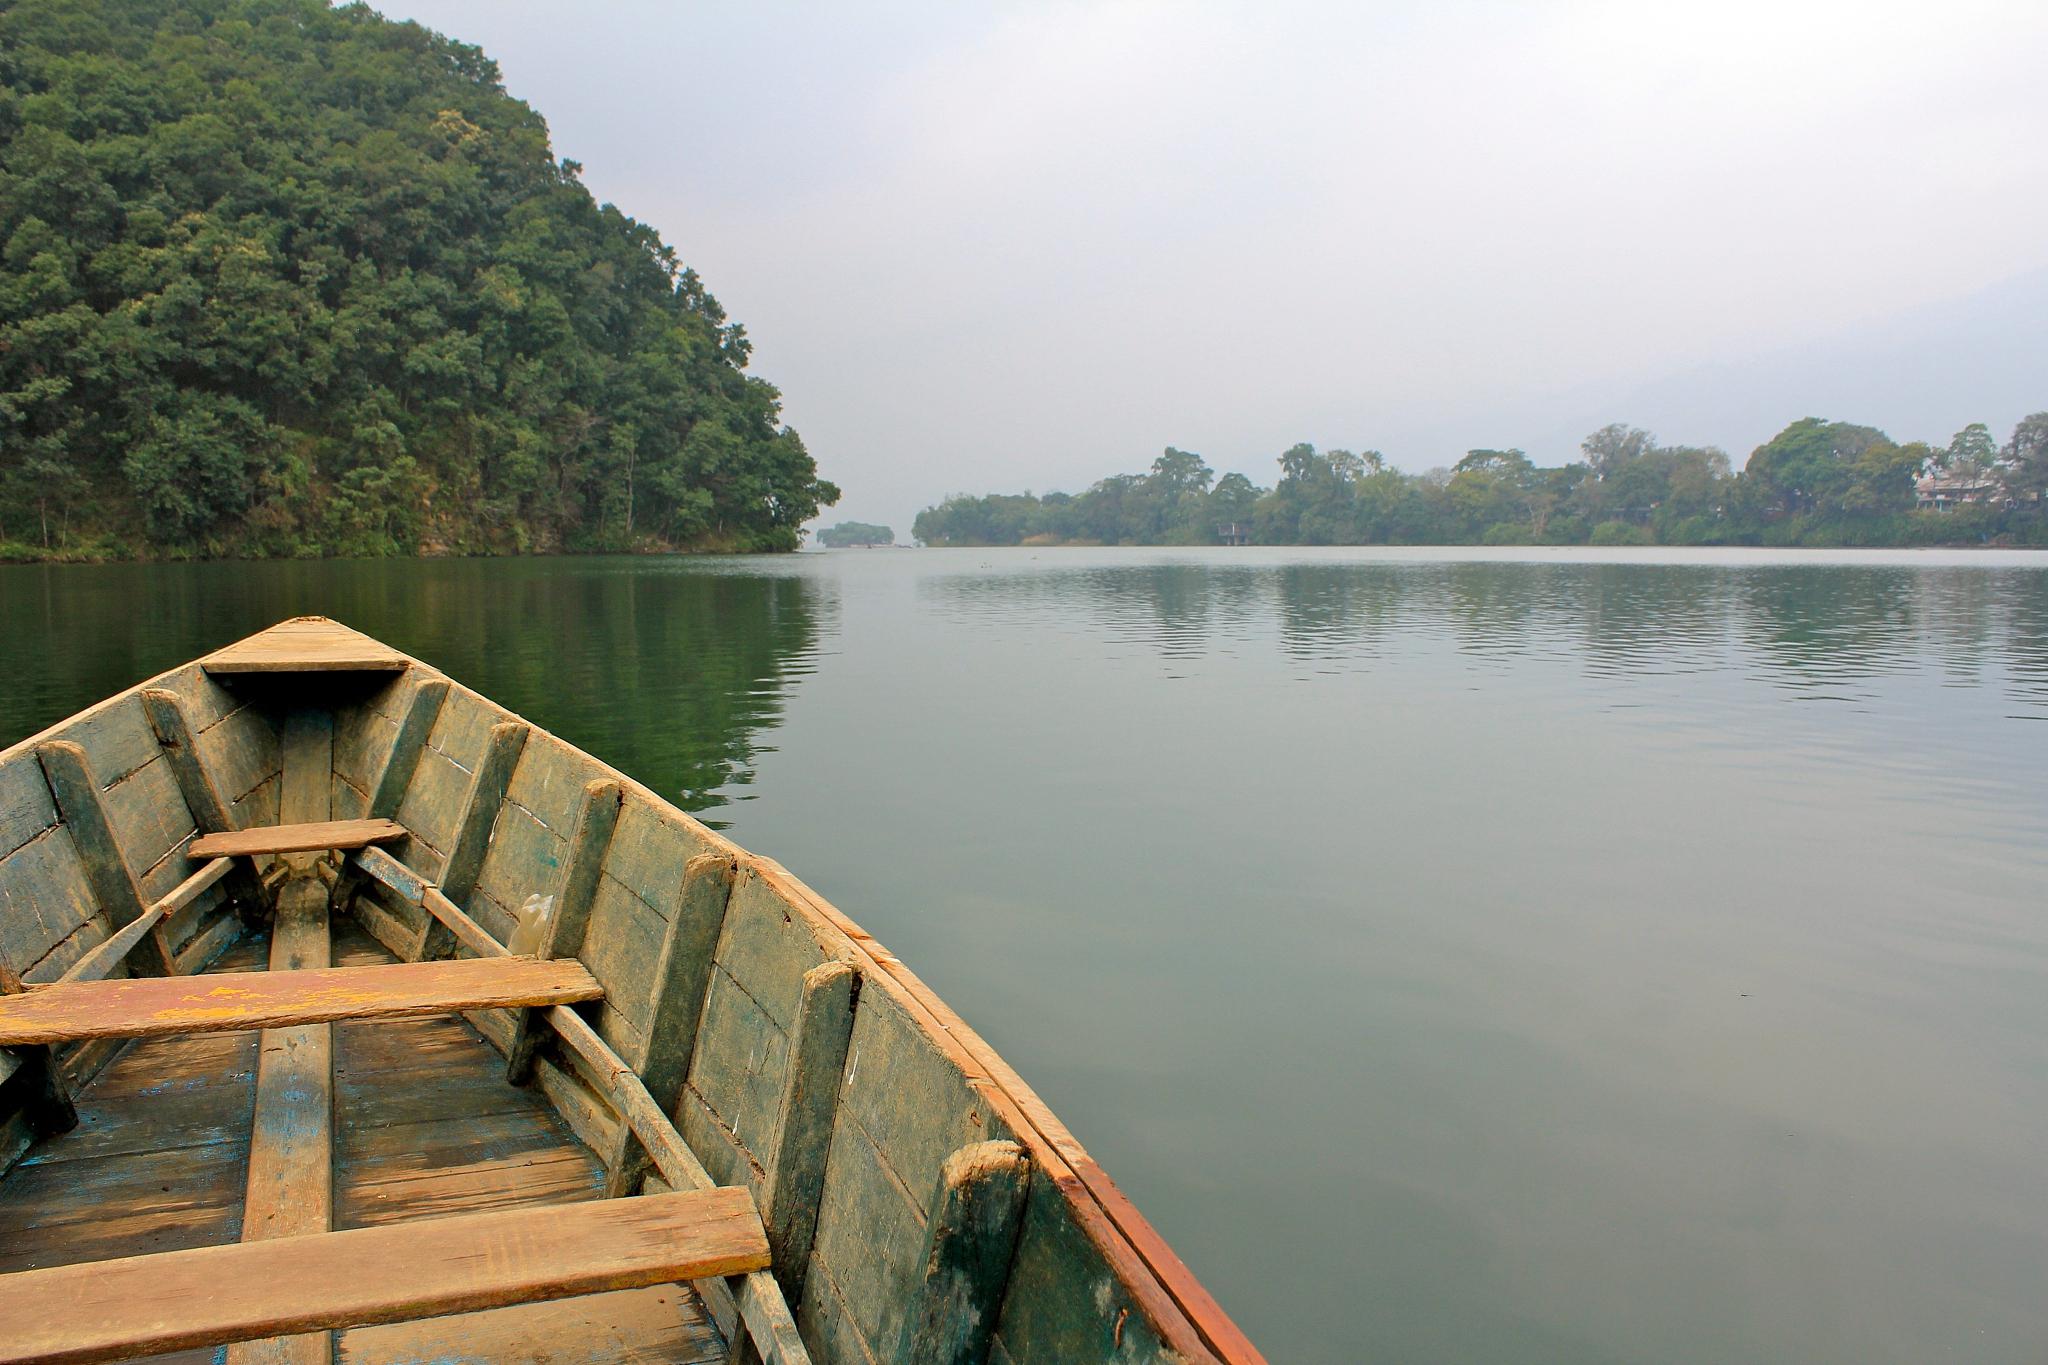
<point>1187,1316</point>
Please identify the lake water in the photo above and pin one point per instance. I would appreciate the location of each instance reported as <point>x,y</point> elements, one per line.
<point>1460,956</point>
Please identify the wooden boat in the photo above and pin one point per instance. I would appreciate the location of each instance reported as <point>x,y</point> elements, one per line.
<point>272,1087</point>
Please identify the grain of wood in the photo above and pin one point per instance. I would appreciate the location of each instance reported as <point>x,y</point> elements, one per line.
<point>203,798</point>
<point>112,1310</point>
<point>421,711</point>
<point>596,818</point>
<point>291,1143</point>
<point>480,811</point>
<point>307,644</point>
<point>101,960</point>
<point>306,742</point>
<point>153,1006</point>
<point>341,835</point>
<point>976,1216</point>
<point>108,875</point>
<point>810,1098</point>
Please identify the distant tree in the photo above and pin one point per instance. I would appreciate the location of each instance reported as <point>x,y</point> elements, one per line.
<point>1614,447</point>
<point>1232,499</point>
<point>1816,482</point>
<point>1806,467</point>
<point>1489,487</point>
<point>1971,453</point>
<point>2023,466</point>
<point>856,533</point>
<point>1181,471</point>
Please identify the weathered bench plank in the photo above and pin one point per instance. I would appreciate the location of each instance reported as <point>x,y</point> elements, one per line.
<point>306,838</point>
<point>140,1305</point>
<point>147,1007</point>
<point>308,644</point>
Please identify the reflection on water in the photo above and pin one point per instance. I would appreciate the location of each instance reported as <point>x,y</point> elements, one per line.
<point>1814,631</point>
<point>1460,956</point>
<point>672,675</point>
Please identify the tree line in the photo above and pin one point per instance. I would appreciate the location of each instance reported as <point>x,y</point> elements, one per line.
<point>1817,483</point>
<point>284,279</point>
<point>851,533</point>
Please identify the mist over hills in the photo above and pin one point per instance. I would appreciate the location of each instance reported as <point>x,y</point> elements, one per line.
<point>1919,374</point>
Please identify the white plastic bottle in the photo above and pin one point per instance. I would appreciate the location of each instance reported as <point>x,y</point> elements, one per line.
<point>531,930</point>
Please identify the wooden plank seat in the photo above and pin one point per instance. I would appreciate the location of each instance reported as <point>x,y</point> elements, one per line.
<point>153,1006</point>
<point>209,1296</point>
<point>306,644</point>
<point>316,836</point>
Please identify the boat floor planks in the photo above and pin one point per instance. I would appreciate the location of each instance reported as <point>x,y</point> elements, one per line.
<point>425,1126</point>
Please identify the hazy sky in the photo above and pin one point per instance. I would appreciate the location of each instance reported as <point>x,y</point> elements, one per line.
<point>986,246</point>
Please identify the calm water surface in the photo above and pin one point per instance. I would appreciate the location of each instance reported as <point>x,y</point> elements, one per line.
<point>1495,958</point>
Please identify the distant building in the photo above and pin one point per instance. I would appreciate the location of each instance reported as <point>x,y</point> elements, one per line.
<point>1234,533</point>
<point>1944,492</point>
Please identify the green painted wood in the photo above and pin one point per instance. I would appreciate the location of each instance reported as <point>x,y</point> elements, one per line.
<point>864,1265</point>
<point>972,1234</point>
<point>174,732</point>
<point>473,831</point>
<point>1064,1302</point>
<point>552,781</point>
<point>595,824</point>
<point>432,809</point>
<point>306,742</point>
<point>112,884</point>
<point>810,1098</point>
<point>115,736</point>
<point>242,754</point>
<point>25,806</point>
<point>622,946</point>
<point>910,1098</point>
<point>735,1083</point>
<point>675,1000</point>
<point>47,904</point>
<point>464,730</point>
<point>526,858</point>
<point>395,776</point>
<point>904,1107</point>
<point>146,812</point>
<point>374,863</point>
<point>650,851</point>
<point>209,807</point>
<point>683,974</point>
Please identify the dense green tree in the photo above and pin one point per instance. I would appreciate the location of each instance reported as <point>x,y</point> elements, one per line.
<point>1232,500</point>
<point>1971,453</point>
<point>285,279</point>
<point>1817,466</point>
<point>2024,462</point>
<point>856,533</point>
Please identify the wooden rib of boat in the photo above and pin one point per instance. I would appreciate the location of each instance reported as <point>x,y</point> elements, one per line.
<point>272,1087</point>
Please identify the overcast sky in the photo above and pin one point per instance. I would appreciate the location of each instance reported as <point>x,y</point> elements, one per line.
<point>985,246</point>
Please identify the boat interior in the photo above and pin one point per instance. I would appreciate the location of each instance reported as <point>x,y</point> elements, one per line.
<point>274,1085</point>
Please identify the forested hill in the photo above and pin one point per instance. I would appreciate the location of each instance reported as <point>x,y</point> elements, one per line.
<point>280,279</point>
